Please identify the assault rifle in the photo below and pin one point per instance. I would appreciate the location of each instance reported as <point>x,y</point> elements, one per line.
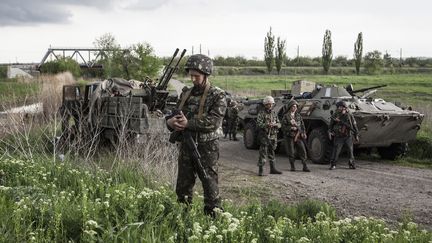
<point>186,137</point>
<point>345,124</point>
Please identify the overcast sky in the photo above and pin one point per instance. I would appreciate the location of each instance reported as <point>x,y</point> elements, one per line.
<point>222,27</point>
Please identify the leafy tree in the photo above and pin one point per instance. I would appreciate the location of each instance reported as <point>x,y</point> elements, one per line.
<point>143,62</point>
<point>358,52</point>
<point>373,62</point>
<point>269,50</point>
<point>327,51</point>
<point>280,53</point>
<point>62,65</point>
<point>135,62</point>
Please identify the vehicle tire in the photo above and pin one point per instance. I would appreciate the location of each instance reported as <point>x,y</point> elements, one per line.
<point>319,147</point>
<point>394,151</point>
<point>250,135</point>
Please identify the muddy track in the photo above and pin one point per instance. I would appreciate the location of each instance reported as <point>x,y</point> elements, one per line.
<point>374,189</point>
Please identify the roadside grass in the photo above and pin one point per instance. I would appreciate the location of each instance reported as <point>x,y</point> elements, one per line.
<point>15,92</point>
<point>51,200</point>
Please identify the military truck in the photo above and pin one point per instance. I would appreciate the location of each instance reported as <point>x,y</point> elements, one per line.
<point>105,110</point>
<point>382,125</point>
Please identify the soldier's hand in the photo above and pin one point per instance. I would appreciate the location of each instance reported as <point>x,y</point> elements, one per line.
<point>304,136</point>
<point>330,135</point>
<point>178,122</point>
<point>356,139</point>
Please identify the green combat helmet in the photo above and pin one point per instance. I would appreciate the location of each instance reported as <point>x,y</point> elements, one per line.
<point>200,63</point>
<point>268,100</point>
<point>292,103</point>
<point>341,103</point>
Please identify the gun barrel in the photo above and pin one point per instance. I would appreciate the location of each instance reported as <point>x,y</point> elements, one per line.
<point>369,88</point>
<point>167,66</point>
<point>166,77</point>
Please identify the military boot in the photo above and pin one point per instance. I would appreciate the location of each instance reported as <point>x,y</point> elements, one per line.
<point>332,165</point>
<point>230,137</point>
<point>292,166</point>
<point>351,165</point>
<point>260,171</point>
<point>235,137</point>
<point>305,168</point>
<point>273,169</point>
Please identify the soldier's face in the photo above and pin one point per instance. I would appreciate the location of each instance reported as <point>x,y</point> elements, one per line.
<point>197,78</point>
<point>293,108</point>
<point>268,106</point>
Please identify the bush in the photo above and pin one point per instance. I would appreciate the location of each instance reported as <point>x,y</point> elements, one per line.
<point>62,65</point>
<point>421,148</point>
<point>3,72</point>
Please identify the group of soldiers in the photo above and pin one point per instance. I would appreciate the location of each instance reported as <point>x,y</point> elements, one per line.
<point>200,112</point>
<point>342,131</point>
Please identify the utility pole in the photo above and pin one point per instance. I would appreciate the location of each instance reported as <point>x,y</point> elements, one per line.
<point>200,48</point>
<point>400,58</point>
<point>192,50</point>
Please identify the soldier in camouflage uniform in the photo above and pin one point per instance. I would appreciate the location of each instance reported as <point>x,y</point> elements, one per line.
<point>294,133</point>
<point>203,107</point>
<point>232,120</point>
<point>342,129</point>
<point>268,125</point>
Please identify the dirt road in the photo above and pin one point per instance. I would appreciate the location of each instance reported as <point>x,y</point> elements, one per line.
<point>374,189</point>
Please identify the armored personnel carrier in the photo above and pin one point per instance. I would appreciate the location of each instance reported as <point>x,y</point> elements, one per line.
<point>382,125</point>
<point>113,108</point>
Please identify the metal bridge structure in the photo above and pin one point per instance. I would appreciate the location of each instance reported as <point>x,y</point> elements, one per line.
<point>86,57</point>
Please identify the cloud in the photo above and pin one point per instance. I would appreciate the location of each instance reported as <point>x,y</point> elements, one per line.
<point>142,4</point>
<point>35,12</point>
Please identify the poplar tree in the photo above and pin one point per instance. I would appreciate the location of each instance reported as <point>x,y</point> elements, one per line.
<point>269,50</point>
<point>358,52</point>
<point>327,51</point>
<point>280,53</point>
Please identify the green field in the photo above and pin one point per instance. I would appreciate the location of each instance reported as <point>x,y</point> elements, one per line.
<point>14,93</point>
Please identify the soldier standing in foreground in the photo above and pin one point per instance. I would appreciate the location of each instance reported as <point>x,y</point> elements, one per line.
<point>294,132</point>
<point>342,129</point>
<point>268,125</point>
<point>232,120</point>
<point>202,110</point>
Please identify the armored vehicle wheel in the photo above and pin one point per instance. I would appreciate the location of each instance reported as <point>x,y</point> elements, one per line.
<point>319,146</point>
<point>394,151</point>
<point>250,136</point>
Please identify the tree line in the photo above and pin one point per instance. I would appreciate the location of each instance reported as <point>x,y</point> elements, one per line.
<point>139,60</point>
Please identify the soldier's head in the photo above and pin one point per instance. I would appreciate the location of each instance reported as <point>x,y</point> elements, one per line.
<point>199,67</point>
<point>233,103</point>
<point>268,102</point>
<point>342,106</point>
<point>292,106</point>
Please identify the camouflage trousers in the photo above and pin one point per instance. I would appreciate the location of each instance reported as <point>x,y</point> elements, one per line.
<point>267,150</point>
<point>232,126</point>
<point>188,171</point>
<point>338,144</point>
<point>295,147</point>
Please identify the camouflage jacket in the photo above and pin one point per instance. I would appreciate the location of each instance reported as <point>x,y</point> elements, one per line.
<point>232,113</point>
<point>204,128</point>
<point>266,117</point>
<point>292,124</point>
<point>339,128</point>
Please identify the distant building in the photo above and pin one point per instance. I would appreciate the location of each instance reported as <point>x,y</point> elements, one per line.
<point>300,86</point>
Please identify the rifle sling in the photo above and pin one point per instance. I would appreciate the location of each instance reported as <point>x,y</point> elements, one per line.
<point>202,99</point>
